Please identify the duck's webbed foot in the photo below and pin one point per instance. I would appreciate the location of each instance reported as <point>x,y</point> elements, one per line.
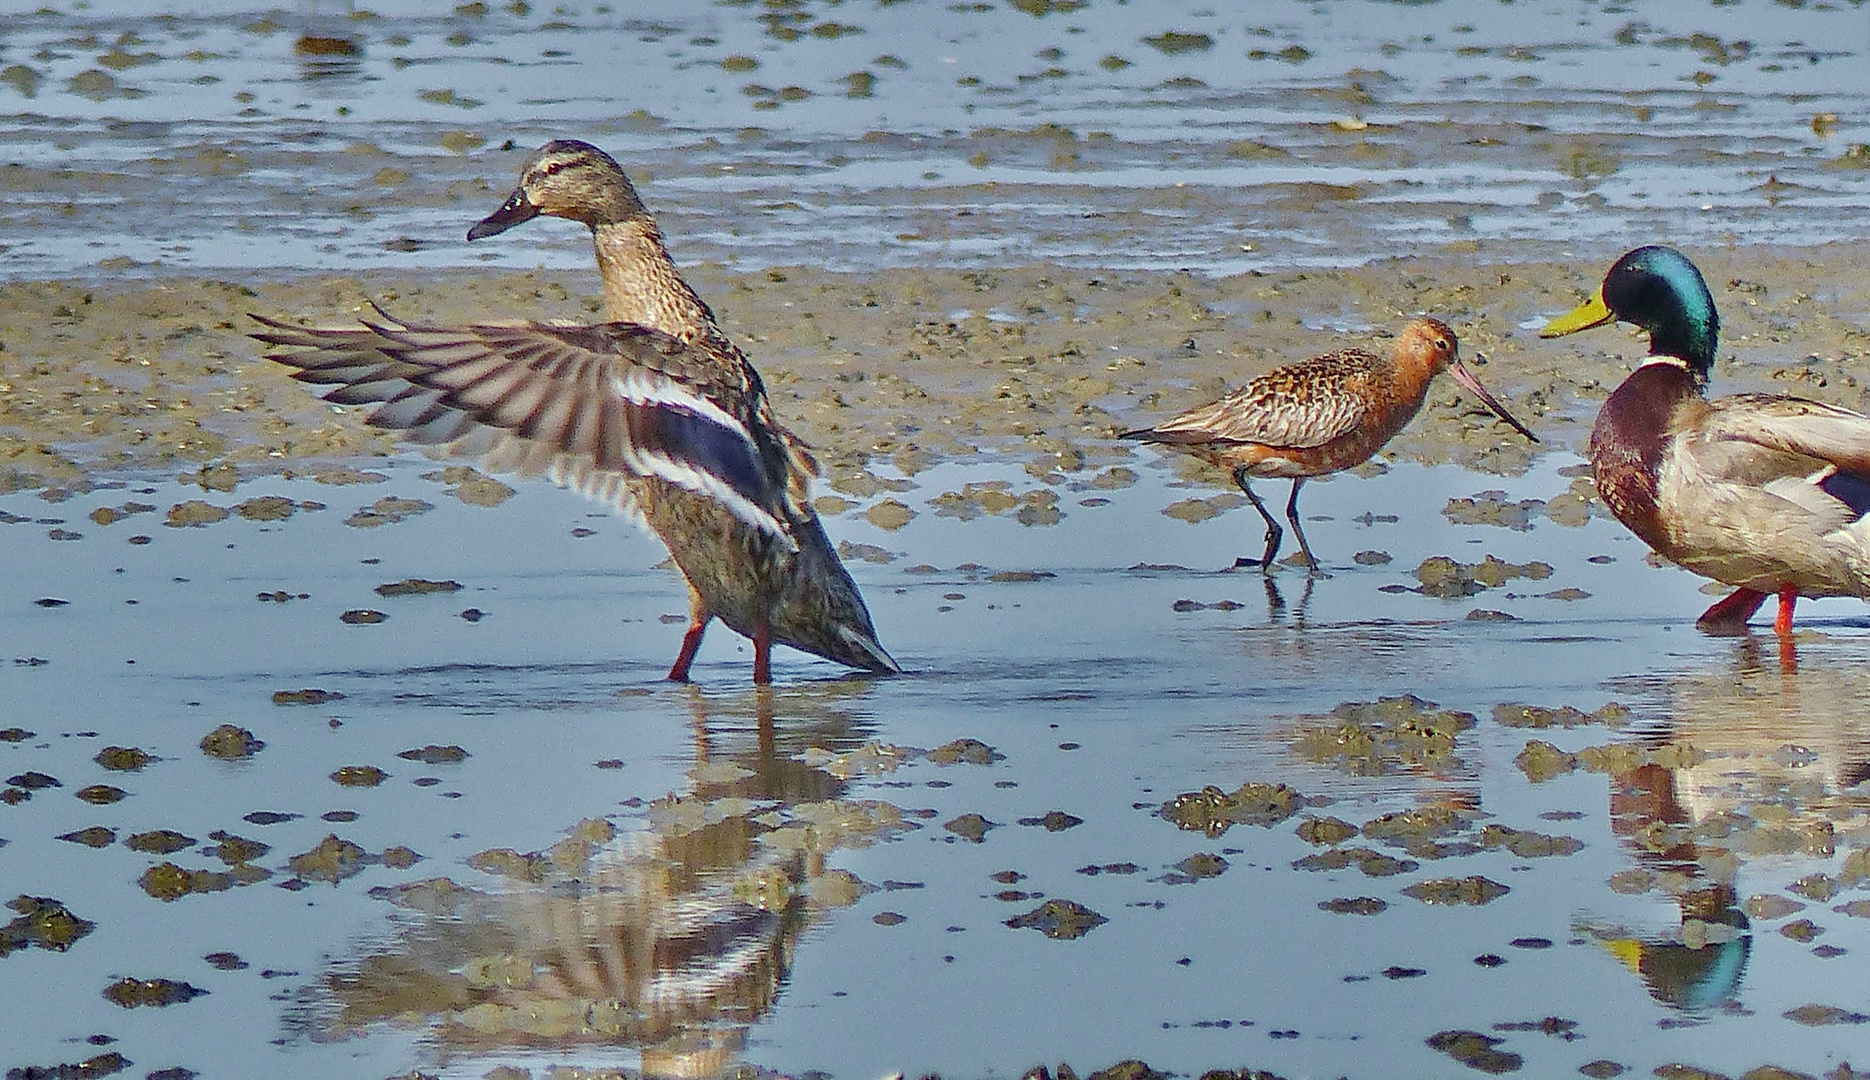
<point>1730,615</point>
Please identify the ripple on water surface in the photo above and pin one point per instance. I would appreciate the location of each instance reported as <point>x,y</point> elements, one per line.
<point>1111,136</point>
<point>1314,824</point>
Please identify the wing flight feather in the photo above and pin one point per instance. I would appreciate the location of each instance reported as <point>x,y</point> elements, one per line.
<point>592,406</point>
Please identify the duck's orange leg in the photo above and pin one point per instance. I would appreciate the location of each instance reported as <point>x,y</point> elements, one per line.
<point>698,618</point>
<point>1788,595</point>
<point>691,643</point>
<point>1732,613</point>
<point>762,655</point>
<point>1788,651</point>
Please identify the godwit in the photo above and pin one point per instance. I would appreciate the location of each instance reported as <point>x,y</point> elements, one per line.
<point>1319,416</point>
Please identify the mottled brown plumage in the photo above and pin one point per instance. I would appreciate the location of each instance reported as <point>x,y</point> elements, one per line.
<point>653,410</point>
<point>1319,416</point>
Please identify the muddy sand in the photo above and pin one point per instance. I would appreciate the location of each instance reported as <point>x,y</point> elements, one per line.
<point>892,371</point>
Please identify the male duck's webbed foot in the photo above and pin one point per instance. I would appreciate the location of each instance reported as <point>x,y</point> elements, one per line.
<point>1729,616</point>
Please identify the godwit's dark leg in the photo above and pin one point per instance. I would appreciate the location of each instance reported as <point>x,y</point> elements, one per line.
<point>1274,534</point>
<point>1275,601</point>
<point>762,655</point>
<point>698,618</point>
<point>1292,515</point>
<point>1731,614</point>
<point>1788,596</point>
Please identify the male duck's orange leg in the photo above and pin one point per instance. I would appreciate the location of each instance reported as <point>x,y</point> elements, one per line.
<point>1788,595</point>
<point>762,655</point>
<point>698,618</point>
<point>1788,654</point>
<point>1733,612</point>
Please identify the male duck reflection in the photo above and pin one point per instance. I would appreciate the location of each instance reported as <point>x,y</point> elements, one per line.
<point>1319,416</point>
<point>653,410</point>
<point>1763,492</point>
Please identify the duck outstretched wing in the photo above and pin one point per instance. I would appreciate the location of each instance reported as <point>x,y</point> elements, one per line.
<point>593,406</point>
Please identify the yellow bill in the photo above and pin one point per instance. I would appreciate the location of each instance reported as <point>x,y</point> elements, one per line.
<point>1592,312</point>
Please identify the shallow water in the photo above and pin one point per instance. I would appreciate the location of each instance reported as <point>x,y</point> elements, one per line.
<point>793,897</point>
<point>236,136</point>
<point>619,874</point>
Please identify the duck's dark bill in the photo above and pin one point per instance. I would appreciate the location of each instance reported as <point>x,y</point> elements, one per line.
<point>1466,378</point>
<point>515,210</point>
<point>1593,312</point>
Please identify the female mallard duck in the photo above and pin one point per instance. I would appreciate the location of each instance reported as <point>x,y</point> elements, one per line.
<point>1319,416</point>
<point>653,410</point>
<point>1763,492</point>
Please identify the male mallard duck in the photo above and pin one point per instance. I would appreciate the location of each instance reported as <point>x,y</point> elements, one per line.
<point>653,410</point>
<point>1319,416</point>
<point>1764,492</point>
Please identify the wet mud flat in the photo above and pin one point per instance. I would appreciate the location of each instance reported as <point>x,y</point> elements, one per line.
<point>905,367</point>
<point>375,750</point>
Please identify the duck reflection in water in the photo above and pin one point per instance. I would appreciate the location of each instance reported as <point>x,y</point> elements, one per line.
<point>1752,769</point>
<point>672,939</point>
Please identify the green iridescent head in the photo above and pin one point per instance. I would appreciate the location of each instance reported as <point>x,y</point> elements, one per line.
<point>1658,289</point>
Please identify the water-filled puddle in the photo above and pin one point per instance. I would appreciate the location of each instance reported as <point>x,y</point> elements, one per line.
<point>314,777</point>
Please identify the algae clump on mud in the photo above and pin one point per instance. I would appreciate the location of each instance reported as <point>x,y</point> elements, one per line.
<point>1214,811</point>
<point>43,923</point>
<point>1384,736</point>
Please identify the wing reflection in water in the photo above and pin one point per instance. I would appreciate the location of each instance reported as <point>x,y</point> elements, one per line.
<point>672,939</point>
<point>1755,768</point>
